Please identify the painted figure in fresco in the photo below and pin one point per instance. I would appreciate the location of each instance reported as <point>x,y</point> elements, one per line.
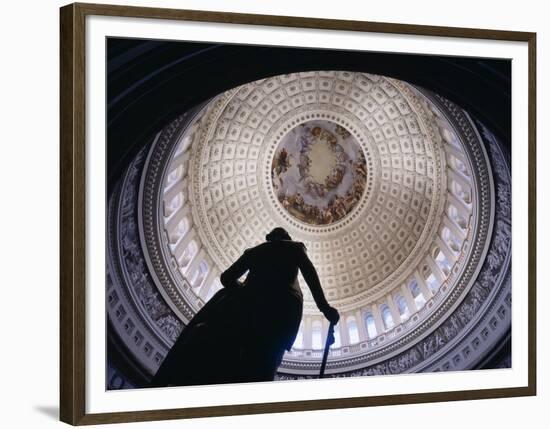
<point>282,162</point>
<point>335,177</point>
<point>342,132</point>
<point>350,201</point>
<point>241,334</point>
<point>339,207</point>
<point>299,201</point>
<point>360,169</point>
<point>286,203</point>
<point>303,166</point>
<point>327,216</point>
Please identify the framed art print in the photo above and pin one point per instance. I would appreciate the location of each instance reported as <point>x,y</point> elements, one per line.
<point>271,213</point>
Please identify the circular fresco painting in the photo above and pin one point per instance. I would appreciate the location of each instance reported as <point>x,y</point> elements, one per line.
<point>319,172</point>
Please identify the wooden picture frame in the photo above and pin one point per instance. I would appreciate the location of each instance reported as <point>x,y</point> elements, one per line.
<point>74,242</point>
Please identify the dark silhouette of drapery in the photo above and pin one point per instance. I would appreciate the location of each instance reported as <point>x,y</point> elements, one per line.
<point>242,332</point>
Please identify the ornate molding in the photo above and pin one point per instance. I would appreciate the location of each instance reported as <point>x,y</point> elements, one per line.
<point>140,316</point>
<point>151,222</point>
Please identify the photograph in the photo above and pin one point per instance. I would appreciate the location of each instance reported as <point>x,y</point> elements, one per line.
<point>281,213</point>
<point>275,214</point>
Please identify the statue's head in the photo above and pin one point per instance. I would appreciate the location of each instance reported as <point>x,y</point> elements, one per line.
<point>278,234</point>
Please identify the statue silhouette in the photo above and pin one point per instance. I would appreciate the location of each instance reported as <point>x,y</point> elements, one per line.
<point>242,332</point>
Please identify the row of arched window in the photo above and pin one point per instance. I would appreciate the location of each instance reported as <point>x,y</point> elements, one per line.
<point>191,262</point>
<point>404,308</point>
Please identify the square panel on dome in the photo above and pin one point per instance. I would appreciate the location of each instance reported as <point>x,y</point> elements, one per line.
<point>216,192</point>
<point>324,97</point>
<point>213,219</point>
<point>399,257</point>
<point>389,88</point>
<point>222,211</point>
<point>311,97</point>
<point>232,203</point>
<point>255,97</point>
<point>251,182</point>
<point>207,199</point>
<point>389,133</point>
<point>378,135</point>
<point>406,196</point>
<point>283,107</point>
<point>254,120</point>
<point>418,144</point>
<point>412,124</point>
<point>391,110</point>
<point>230,228</point>
<point>239,167</point>
<point>240,183</point>
<point>243,113</point>
<point>397,164</point>
<point>357,274</point>
<point>244,197</point>
<point>228,187</point>
<point>278,96</point>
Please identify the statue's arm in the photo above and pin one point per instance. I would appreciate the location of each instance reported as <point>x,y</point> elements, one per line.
<point>230,277</point>
<point>312,279</point>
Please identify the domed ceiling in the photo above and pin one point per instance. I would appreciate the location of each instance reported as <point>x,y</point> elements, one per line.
<point>351,164</point>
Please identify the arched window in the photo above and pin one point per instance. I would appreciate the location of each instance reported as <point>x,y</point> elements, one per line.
<point>443,263</point>
<point>353,331</point>
<point>183,226</point>
<point>337,341</point>
<point>174,204</point>
<point>174,175</point>
<point>461,192</point>
<point>370,325</point>
<point>401,305</point>
<point>299,341</point>
<point>183,145</point>
<point>316,335</point>
<point>449,238</point>
<point>457,217</point>
<point>432,283</point>
<point>459,165</point>
<point>188,255</point>
<point>179,231</point>
<point>200,274</point>
<point>419,299</point>
<point>386,316</point>
<point>449,136</point>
